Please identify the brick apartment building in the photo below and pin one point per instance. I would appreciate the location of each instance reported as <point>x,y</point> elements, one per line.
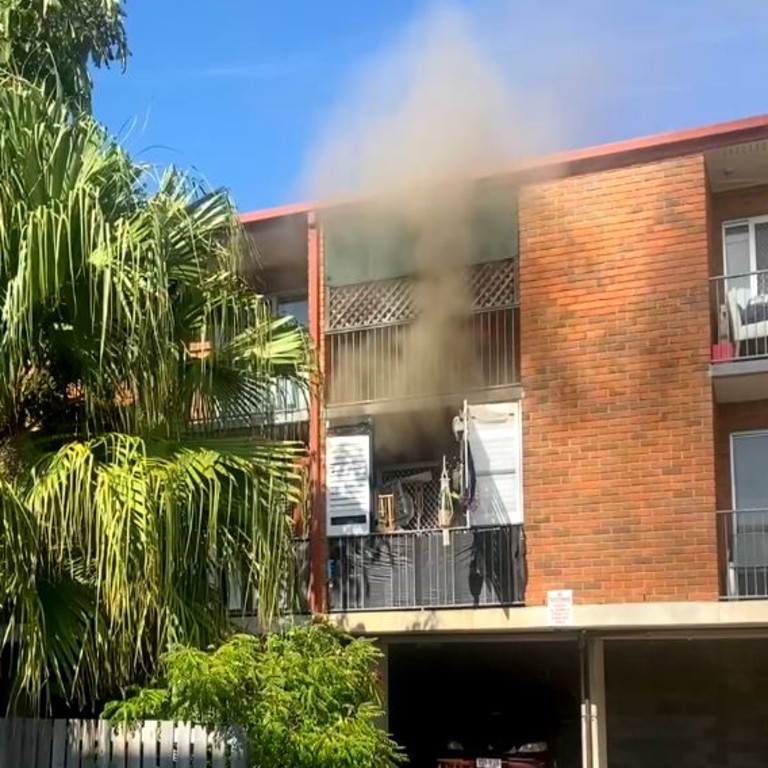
<point>600,577</point>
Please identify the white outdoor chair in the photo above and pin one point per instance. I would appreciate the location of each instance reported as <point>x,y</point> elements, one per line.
<point>738,298</point>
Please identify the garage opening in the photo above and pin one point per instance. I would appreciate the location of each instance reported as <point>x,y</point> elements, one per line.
<point>687,703</point>
<point>475,699</point>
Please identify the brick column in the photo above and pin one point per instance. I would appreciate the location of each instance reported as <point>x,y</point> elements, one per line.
<point>618,412</point>
<point>318,544</point>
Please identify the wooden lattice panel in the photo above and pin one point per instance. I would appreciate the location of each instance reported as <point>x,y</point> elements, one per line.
<point>390,302</point>
<point>384,302</point>
<point>493,284</point>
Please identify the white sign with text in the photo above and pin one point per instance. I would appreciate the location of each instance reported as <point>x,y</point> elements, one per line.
<point>560,608</point>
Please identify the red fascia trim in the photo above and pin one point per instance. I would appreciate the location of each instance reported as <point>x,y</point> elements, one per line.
<point>689,140</point>
<point>601,157</point>
<point>644,150</point>
<point>275,213</point>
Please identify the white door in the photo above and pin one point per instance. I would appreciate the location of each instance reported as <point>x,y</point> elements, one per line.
<point>749,469</point>
<point>348,484</point>
<point>494,440</point>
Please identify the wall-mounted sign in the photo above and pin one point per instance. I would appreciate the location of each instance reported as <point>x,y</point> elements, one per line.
<point>560,607</point>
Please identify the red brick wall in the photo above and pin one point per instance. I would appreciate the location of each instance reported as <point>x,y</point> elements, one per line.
<point>619,440</point>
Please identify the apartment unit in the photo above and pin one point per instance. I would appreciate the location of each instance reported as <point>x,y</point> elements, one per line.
<point>539,472</point>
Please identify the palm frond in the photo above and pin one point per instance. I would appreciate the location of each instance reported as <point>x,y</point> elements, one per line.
<point>126,338</point>
<point>140,538</point>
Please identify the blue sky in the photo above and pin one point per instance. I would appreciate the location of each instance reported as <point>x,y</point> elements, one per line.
<point>240,90</point>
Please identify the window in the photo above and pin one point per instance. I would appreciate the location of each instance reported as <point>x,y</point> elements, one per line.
<point>291,397</point>
<point>749,468</point>
<point>745,254</point>
<point>365,243</point>
<point>749,534</point>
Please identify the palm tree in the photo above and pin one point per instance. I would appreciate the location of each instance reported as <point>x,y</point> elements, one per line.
<point>127,340</point>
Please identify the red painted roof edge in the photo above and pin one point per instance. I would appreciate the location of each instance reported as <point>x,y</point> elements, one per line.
<point>277,212</point>
<point>601,156</point>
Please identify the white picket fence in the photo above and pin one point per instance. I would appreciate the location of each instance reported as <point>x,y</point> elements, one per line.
<point>33,743</point>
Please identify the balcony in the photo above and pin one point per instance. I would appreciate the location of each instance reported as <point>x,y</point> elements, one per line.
<point>432,569</point>
<point>743,554</point>
<point>378,350</point>
<point>740,336</point>
<point>281,412</point>
<point>424,510</point>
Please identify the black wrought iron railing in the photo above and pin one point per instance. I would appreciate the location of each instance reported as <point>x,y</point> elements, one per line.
<point>739,316</point>
<point>743,554</point>
<point>459,567</point>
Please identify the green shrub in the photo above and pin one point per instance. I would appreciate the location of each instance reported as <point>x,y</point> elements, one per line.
<point>305,698</point>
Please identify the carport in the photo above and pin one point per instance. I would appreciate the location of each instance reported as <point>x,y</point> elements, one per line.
<point>695,702</point>
<point>481,692</point>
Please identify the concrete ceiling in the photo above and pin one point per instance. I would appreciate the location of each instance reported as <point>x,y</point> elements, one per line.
<point>738,166</point>
<point>278,254</point>
<point>280,242</point>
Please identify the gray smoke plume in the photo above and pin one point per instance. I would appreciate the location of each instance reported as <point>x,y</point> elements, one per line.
<point>425,119</point>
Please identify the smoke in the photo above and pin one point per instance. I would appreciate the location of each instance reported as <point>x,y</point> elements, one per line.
<point>434,106</point>
<point>424,121</point>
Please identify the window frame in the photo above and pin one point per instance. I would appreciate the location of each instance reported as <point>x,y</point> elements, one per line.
<point>732,460</point>
<point>749,222</point>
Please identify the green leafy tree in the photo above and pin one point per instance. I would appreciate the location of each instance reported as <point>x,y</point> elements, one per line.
<point>53,42</point>
<point>306,698</point>
<point>128,343</point>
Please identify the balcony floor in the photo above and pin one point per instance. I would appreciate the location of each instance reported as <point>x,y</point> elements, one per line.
<point>736,381</point>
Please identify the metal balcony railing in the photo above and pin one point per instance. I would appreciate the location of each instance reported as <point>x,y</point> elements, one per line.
<point>382,364</point>
<point>743,554</point>
<point>294,591</point>
<point>376,348</point>
<point>460,567</point>
<point>281,412</point>
<point>739,316</point>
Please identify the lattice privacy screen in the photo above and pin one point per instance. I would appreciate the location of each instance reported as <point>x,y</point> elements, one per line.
<point>387,302</point>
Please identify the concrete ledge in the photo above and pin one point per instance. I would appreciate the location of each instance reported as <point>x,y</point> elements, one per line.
<point>740,381</point>
<point>737,367</point>
<point>512,392</point>
<point>610,617</point>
